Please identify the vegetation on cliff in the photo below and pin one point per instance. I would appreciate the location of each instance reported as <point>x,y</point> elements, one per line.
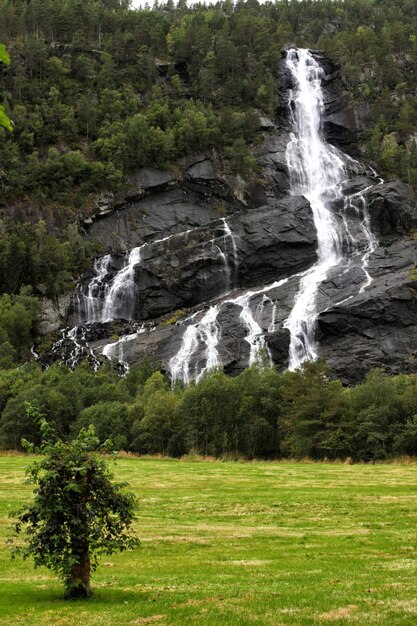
<point>96,90</point>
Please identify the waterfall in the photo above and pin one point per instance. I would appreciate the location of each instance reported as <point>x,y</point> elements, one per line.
<point>358,204</point>
<point>73,347</point>
<point>259,351</point>
<point>115,351</point>
<point>120,300</point>
<point>229,258</point>
<point>229,237</point>
<point>316,170</point>
<point>97,288</point>
<point>207,331</point>
<point>319,172</point>
<point>107,300</point>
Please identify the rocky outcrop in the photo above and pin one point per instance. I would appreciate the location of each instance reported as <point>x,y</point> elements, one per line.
<point>156,216</point>
<point>268,244</point>
<point>271,156</point>
<point>250,248</point>
<point>161,204</point>
<point>392,207</point>
<point>378,326</point>
<point>53,314</point>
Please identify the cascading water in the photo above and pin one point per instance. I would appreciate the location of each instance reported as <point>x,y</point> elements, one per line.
<point>120,300</point>
<point>96,288</point>
<point>316,171</point>
<point>113,298</point>
<point>115,351</point>
<point>358,204</point>
<point>106,299</point>
<point>232,267</point>
<point>206,330</point>
<point>73,348</point>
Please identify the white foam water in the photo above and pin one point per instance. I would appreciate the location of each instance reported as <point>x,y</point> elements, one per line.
<point>115,351</point>
<point>316,171</point>
<point>207,331</point>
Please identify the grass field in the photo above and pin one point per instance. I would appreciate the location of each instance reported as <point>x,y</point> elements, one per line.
<point>239,543</point>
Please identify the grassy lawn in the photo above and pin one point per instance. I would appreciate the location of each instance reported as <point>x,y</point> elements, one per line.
<point>235,543</point>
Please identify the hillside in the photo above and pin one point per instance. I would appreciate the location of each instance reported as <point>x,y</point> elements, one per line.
<point>209,188</point>
<point>97,90</point>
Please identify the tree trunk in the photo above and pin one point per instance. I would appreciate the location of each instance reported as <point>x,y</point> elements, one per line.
<point>79,583</point>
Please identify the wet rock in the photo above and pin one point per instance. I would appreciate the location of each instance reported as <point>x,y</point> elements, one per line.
<point>272,157</point>
<point>159,215</point>
<point>354,117</point>
<point>53,314</point>
<point>392,207</point>
<point>278,344</point>
<point>274,241</point>
<point>266,244</point>
<point>378,326</point>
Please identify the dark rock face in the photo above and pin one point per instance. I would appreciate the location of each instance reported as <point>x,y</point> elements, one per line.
<point>227,236</point>
<point>160,204</point>
<point>378,327</point>
<point>267,243</point>
<point>392,208</point>
<point>151,218</point>
<point>271,155</point>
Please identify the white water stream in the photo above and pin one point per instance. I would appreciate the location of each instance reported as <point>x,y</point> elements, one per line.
<point>316,171</point>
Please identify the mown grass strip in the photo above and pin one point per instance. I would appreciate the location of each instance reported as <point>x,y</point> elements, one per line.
<point>236,544</point>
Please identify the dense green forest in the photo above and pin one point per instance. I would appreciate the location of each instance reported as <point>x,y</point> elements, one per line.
<point>96,90</point>
<point>256,414</point>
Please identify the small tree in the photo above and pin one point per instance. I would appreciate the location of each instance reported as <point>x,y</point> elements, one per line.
<point>77,513</point>
<point>4,120</point>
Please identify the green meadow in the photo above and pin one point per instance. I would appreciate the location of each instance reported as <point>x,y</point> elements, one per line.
<point>226,543</point>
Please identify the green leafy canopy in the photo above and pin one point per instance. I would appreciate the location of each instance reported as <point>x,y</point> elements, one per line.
<point>77,513</point>
<point>4,120</point>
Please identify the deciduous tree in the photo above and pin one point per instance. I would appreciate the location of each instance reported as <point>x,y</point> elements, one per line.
<point>77,513</point>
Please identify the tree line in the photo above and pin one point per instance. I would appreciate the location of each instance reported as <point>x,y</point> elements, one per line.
<point>258,414</point>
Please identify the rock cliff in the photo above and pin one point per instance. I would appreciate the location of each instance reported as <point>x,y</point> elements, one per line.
<point>205,239</point>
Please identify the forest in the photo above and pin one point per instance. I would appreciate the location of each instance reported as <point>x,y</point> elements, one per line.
<point>258,414</point>
<point>96,90</point>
